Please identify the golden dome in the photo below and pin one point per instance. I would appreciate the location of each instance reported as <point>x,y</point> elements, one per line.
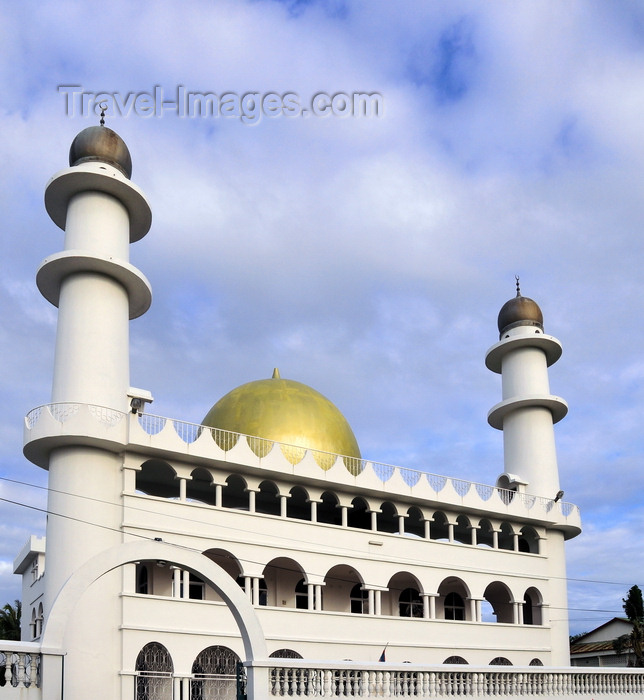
<point>288,412</point>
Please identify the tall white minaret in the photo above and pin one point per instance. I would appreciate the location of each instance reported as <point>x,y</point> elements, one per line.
<point>97,291</point>
<point>528,411</point>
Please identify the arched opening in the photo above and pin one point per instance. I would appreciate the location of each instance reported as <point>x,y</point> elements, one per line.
<point>455,660</point>
<point>200,488</point>
<point>463,530</point>
<point>415,522</point>
<point>536,662</point>
<point>285,654</point>
<point>532,607</point>
<point>498,595</point>
<point>402,598</point>
<point>154,670</point>
<point>214,674</point>
<point>234,494</point>
<point>506,537</point>
<point>528,540</point>
<point>387,519</point>
<point>282,576</point>
<point>339,583</point>
<point>500,661</point>
<point>484,535</point>
<point>359,516</point>
<point>452,594</point>
<point>267,500</point>
<point>229,564</point>
<point>439,528</point>
<point>505,489</point>
<point>224,559</point>
<point>157,478</point>
<point>329,509</point>
<point>298,506</point>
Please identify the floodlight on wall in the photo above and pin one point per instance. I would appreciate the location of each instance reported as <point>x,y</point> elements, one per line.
<point>138,399</point>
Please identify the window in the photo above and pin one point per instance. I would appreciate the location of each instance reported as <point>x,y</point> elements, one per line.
<point>410,604</point>
<point>454,607</point>
<point>214,674</point>
<point>301,595</point>
<point>359,600</point>
<point>154,670</point>
<point>196,588</point>
<point>142,579</point>
<point>263,592</point>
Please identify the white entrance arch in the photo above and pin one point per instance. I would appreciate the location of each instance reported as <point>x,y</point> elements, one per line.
<point>195,562</point>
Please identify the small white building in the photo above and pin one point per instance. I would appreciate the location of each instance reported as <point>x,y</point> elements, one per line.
<point>607,645</point>
<point>175,549</point>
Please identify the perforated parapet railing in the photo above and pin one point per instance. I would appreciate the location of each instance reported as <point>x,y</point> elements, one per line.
<point>108,419</point>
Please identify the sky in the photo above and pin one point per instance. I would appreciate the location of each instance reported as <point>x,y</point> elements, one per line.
<point>365,255</point>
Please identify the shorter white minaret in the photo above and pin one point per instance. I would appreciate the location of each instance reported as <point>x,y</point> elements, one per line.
<point>528,411</point>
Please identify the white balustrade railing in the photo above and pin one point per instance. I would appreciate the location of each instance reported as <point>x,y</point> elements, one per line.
<point>227,440</point>
<point>19,669</point>
<point>297,678</point>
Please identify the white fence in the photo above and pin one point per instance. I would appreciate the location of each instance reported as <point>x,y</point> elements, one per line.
<point>305,679</point>
<point>19,670</point>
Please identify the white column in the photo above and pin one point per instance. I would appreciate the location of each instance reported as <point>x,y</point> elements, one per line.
<point>283,505</point>
<point>401,524</point>
<point>251,500</point>
<point>473,532</point>
<point>186,584</point>
<point>344,515</point>
<point>314,511</point>
<point>248,587</point>
<point>450,531</point>
<point>427,533</point>
<point>218,495</point>
<point>310,596</point>
<point>255,590</point>
<point>182,489</point>
<point>374,521</point>
<point>318,596</point>
<point>432,605</point>
<point>378,602</point>
<point>176,582</point>
<point>425,597</point>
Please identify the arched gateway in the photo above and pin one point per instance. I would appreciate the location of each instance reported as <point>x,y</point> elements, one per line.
<point>194,562</point>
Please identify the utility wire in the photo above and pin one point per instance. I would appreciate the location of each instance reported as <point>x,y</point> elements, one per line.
<point>245,533</point>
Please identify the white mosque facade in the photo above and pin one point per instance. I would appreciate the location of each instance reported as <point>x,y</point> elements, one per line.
<point>174,550</point>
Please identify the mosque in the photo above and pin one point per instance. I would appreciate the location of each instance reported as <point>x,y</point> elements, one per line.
<point>174,550</point>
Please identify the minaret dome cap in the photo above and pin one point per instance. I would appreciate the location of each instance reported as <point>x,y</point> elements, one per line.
<point>520,311</point>
<point>100,143</point>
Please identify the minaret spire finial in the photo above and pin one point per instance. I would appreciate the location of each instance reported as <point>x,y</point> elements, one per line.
<point>516,277</point>
<point>103,107</point>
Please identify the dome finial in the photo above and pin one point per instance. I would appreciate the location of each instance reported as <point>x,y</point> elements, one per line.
<point>103,107</point>
<point>276,373</point>
<point>516,277</point>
